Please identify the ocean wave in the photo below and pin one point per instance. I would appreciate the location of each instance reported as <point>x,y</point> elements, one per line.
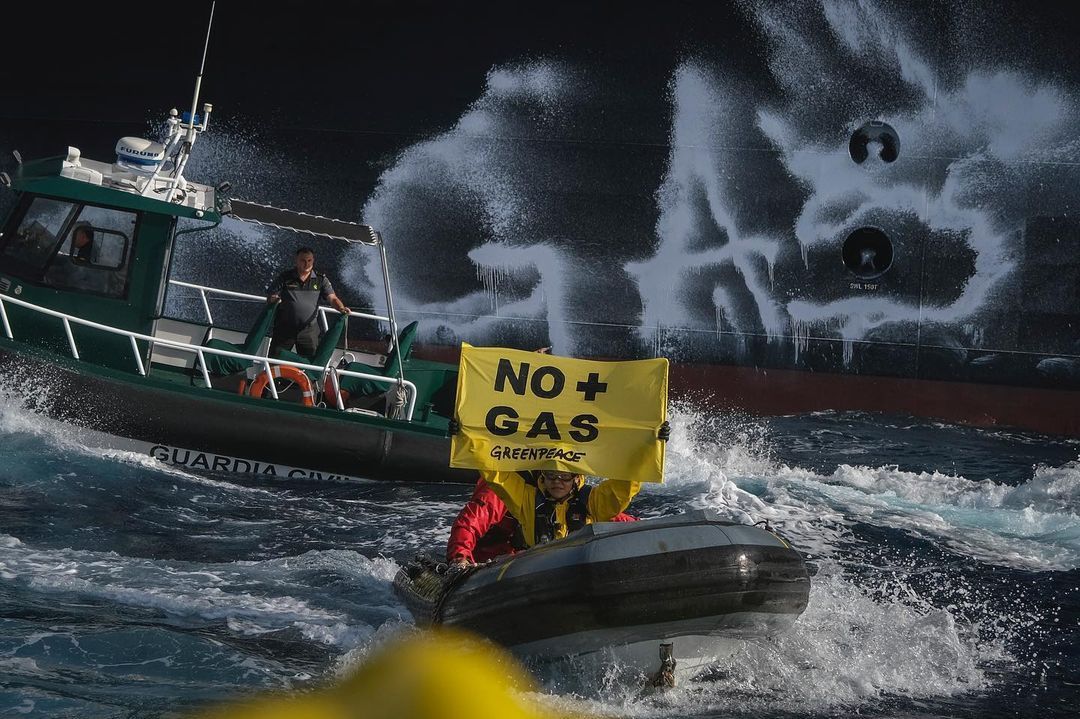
<point>853,646</point>
<point>247,597</point>
<point>1028,527</point>
<point>728,464</point>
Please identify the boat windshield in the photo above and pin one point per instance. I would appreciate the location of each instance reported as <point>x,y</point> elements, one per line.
<point>29,248</point>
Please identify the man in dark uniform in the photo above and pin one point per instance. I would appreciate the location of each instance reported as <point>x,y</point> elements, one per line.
<point>299,291</point>
<point>82,243</point>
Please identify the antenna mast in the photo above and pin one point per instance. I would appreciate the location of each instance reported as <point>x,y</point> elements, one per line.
<point>198,80</point>
<point>191,127</point>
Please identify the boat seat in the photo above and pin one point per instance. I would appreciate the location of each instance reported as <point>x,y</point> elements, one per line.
<point>219,365</point>
<point>356,387</point>
<point>327,344</point>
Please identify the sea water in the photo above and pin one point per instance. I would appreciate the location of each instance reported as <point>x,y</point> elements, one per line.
<point>944,563</point>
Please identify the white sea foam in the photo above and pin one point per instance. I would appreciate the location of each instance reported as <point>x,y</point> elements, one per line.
<point>250,598</point>
<point>145,461</point>
<point>1035,525</point>
<point>22,416</point>
<point>852,646</point>
<point>23,398</point>
<point>392,630</point>
<point>724,463</point>
<point>1009,526</point>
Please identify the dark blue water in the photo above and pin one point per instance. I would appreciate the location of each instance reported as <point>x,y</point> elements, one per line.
<point>945,567</point>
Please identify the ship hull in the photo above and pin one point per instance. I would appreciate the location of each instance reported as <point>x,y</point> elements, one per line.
<point>771,392</point>
<point>781,392</point>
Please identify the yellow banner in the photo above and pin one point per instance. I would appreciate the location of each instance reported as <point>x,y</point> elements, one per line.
<point>524,410</point>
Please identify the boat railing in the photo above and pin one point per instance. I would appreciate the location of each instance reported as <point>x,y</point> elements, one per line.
<point>205,292</point>
<point>200,352</point>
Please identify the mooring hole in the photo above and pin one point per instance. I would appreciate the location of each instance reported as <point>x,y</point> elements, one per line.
<point>868,252</point>
<point>876,137</point>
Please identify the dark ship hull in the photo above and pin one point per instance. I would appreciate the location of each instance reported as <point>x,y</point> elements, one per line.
<point>803,208</point>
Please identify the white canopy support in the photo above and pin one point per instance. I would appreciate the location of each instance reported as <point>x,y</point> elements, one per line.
<point>326,228</point>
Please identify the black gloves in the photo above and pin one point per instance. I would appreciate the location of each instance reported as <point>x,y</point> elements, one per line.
<point>454,427</point>
<point>664,433</point>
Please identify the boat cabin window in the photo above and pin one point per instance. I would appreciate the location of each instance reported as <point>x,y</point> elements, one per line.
<point>72,247</point>
<point>93,255</point>
<point>33,242</point>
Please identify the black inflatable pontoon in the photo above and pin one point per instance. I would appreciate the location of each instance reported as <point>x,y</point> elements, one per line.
<point>690,575</point>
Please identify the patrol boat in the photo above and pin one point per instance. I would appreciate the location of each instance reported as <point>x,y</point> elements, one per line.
<point>666,596</point>
<point>85,260</point>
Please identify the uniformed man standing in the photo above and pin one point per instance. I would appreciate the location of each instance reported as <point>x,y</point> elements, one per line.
<point>299,291</point>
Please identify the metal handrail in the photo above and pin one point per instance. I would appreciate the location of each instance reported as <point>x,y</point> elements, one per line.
<point>204,290</point>
<point>199,352</point>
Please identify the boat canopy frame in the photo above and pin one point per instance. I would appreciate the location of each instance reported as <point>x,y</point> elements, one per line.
<point>326,228</point>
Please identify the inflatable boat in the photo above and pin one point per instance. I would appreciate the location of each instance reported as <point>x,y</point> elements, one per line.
<point>683,590</point>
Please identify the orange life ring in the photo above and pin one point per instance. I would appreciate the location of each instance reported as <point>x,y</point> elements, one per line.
<point>285,372</point>
<point>328,391</point>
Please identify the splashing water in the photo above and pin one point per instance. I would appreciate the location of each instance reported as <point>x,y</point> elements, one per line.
<point>473,177</point>
<point>134,587</point>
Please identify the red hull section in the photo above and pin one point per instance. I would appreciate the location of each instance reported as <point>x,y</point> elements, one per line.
<point>778,392</point>
<point>772,392</point>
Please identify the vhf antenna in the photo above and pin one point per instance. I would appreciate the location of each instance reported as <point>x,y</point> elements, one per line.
<point>198,80</point>
<point>192,128</point>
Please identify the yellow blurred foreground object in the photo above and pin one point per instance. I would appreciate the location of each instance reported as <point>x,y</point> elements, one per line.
<point>438,674</point>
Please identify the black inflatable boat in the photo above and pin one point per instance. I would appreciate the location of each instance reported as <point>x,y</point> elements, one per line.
<point>691,580</point>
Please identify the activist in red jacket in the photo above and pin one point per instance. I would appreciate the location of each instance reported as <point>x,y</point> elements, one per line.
<point>484,529</point>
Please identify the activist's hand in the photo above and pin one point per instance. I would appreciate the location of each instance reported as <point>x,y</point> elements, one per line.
<point>454,427</point>
<point>664,433</point>
<point>460,563</point>
<point>544,350</point>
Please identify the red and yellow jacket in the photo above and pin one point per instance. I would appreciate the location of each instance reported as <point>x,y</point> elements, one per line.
<point>484,529</point>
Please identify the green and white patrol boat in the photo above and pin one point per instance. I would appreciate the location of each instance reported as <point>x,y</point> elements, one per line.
<point>85,261</point>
